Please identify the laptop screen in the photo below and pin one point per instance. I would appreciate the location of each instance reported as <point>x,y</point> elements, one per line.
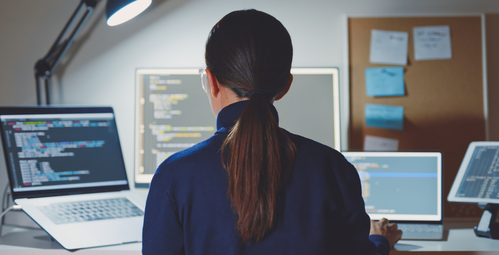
<point>47,149</point>
<point>403,186</point>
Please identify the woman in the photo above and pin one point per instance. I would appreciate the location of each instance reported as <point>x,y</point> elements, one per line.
<point>254,188</point>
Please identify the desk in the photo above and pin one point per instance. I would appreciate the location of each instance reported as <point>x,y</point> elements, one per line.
<point>459,239</point>
<point>22,241</point>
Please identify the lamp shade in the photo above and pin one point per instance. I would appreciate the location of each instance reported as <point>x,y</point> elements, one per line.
<point>120,11</point>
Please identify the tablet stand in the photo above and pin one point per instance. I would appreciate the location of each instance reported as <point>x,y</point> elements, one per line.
<point>487,227</point>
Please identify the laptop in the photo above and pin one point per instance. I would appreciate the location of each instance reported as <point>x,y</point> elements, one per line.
<point>405,188</point>
<point>66,170</point>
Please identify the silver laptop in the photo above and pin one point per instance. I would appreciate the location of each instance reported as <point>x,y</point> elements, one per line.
<point>66,170</point>
<point>404,187</point>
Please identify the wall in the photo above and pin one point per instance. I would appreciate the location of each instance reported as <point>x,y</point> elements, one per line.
<point>172,34</point>
<point>492,43</point>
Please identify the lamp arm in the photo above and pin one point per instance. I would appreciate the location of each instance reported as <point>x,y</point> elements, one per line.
<point>45,66</point>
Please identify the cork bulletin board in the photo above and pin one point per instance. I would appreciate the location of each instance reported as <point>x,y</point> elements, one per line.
<point>443,101</point>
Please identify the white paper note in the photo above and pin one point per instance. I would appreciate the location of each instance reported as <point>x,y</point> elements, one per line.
<point>388,47</point>
<point>432,43</point>
<point>375,143</point>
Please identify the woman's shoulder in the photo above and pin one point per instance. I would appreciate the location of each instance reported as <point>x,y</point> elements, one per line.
<point>318,157</point>
<point>305,144</point>
<point>190,160</point>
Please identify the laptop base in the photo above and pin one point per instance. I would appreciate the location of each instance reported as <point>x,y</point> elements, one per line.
<point>421,231</point>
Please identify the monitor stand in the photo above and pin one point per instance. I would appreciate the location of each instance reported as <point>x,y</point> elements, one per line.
<point>487,227</point>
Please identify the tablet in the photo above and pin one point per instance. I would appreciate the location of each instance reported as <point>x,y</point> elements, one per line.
<point>476,180</point>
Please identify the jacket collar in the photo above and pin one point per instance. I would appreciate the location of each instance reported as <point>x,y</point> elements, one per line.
<point>228,116</point>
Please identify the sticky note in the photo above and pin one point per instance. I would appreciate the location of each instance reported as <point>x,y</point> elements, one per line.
<point>432,43</point>
<point>388,47</point>
<point>385,81</point>
<point>375,143</point>
<point>384,116</point>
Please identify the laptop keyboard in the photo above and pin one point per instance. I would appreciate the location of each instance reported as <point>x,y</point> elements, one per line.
<point>421,231</point>
<point>81,211</point>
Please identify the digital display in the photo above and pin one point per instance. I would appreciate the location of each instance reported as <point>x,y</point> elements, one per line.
<point>396,186</point>
<point>60,151</point>
<point>482,174</point>
<point>173,112</point>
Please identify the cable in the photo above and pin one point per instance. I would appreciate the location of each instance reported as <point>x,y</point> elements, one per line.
<point>5,198</point>
<point>14,207</point>
<point>5,211</point>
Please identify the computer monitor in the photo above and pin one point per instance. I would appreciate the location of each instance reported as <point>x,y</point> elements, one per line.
<point>173,112</point>
<point>400,186</point>
<point>476,180</point>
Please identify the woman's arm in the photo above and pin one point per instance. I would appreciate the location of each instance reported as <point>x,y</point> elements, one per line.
<point>162,232</point>
<point>389,231</point>
<point>356,221</point>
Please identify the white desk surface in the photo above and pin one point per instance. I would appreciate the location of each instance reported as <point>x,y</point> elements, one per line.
<point>22,241</point>
<point>459,239</point>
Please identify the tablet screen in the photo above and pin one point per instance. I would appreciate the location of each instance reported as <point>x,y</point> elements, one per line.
<point>477,178</point>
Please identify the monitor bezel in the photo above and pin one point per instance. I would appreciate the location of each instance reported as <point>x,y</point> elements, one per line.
<point>462,171</point>
<point>29,110</point>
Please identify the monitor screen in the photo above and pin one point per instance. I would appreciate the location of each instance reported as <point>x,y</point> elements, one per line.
<point>400,185</point>
<point>49,151</point>
<point>173,112</point>
<point>476,180</point>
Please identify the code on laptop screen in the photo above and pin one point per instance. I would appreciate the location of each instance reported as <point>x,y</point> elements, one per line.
<point>61,151</point>
<point>399,186</point>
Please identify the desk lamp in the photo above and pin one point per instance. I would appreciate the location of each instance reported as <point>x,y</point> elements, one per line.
<point>117,12</point>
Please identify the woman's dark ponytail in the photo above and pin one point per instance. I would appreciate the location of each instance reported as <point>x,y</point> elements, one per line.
<point>250,52</point>
<point>257,148</point>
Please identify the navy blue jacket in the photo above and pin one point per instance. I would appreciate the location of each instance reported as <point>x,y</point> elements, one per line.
<point>320,209</point>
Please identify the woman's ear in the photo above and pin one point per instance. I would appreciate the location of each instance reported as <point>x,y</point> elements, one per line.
<point>213,85</point>
<point>280,95</point>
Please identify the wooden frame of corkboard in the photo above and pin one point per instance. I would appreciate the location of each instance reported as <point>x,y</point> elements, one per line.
<point>444,106</point>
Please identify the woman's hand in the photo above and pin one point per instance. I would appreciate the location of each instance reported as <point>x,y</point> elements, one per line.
<point>384,228</point>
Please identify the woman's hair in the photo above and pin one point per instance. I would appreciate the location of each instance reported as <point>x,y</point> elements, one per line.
<point>250,52</point>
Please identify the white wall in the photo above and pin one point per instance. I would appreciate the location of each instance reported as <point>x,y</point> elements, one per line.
<point>171,34</point>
